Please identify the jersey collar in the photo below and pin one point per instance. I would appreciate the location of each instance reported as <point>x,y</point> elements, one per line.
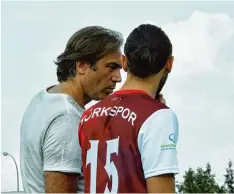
<point>131,91</point>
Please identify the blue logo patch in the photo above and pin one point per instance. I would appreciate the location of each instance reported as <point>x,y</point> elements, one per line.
<point>172,137</point>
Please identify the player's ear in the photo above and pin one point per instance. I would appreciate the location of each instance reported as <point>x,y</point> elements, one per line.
<point>169,64</point>
<point>124,63</point>
<point>82,67</point>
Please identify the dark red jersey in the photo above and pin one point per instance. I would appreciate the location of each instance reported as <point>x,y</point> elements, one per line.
<point>114,136</point>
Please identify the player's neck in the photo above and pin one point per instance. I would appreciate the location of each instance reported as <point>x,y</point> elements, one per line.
<point>133,82</point>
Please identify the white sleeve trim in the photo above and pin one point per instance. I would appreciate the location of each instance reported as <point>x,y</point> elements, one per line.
<point>65,170</point>
<point>157,172</point>
<point>157,140</point>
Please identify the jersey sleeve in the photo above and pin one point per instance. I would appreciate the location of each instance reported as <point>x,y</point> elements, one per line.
<point>157,140</point>
<point>61,149</point>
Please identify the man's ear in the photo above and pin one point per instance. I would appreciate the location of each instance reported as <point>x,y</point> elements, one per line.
<point>124,63</point>
<point>169,64</point>
<point>82,67</point>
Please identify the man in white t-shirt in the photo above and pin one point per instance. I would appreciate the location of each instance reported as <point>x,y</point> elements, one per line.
<point>129,139</point>
<point>88,69</point>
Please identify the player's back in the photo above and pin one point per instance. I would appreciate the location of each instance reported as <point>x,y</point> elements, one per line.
<point>111,144</point>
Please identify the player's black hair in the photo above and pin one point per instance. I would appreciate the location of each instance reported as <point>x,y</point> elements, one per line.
<point>147,50</point>
<point>88,44</point>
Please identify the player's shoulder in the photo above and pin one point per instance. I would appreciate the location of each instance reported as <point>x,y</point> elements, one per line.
<point>138,102</point>
<point>163,122</point>
<point>162,115</point>
<point>144,104</point>
<point>157,110</point>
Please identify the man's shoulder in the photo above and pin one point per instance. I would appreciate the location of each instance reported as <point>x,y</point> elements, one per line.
<point>56,104</point>
<point>44,109</point>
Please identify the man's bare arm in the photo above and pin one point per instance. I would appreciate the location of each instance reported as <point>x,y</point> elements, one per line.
<point>57,182</point>
<point>62,156</point>
<point>161,184</point>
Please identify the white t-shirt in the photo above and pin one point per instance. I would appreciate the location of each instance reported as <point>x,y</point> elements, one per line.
<point>49,139</point>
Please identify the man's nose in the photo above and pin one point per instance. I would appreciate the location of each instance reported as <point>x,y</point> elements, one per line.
<point>117,76</point>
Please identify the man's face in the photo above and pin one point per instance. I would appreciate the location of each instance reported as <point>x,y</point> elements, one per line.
<point>101,81</point>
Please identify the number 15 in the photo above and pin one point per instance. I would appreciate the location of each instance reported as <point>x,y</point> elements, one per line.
<point>92,157</point>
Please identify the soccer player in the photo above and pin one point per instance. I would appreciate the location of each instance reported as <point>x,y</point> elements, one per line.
<point>129,139</point>
<point>88,69</point>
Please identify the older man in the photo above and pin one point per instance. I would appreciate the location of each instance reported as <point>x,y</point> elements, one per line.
<point>88,69</point>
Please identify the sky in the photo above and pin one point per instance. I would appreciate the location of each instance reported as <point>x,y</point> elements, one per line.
<point>199,89</point>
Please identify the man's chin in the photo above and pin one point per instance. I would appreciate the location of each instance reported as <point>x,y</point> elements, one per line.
<point>102,95</point>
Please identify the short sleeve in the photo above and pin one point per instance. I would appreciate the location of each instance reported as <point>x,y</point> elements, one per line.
<point>157,140</point>
<point>61,149</point>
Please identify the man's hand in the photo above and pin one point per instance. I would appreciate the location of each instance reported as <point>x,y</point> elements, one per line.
<point>161,98</point>
<point>57,182</point>
<point>161,184</point>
